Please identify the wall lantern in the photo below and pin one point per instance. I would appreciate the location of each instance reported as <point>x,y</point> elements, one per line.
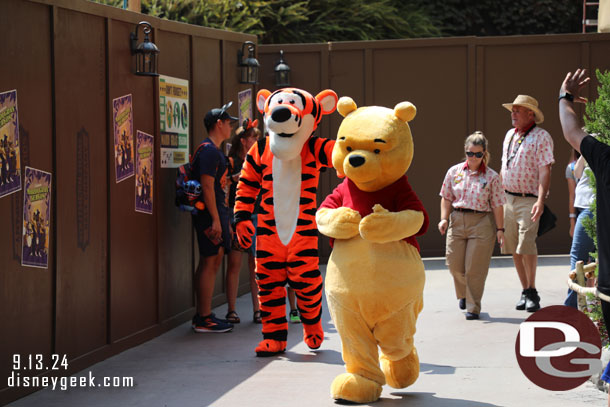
<point>282,72</point>
<point>248,66</point>
<point>145,52</point>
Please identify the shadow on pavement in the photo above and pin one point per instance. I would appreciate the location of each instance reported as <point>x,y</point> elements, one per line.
<point>429,399</point>
<point>503,320</point>
<point>326,356</point>
<point>427,368</point>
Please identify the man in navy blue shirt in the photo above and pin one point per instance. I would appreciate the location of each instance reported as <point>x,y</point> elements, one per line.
<point>212,224</point>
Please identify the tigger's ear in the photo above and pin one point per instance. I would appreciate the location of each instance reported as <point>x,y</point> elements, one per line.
<point>328,101</point>
<point>261,98</point>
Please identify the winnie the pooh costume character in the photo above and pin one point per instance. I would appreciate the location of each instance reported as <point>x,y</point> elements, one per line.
<point>375,275</point>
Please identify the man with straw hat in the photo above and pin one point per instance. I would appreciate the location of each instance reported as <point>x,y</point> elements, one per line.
<point>527,156</point>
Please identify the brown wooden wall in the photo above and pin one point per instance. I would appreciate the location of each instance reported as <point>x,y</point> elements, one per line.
<point>116,277</point>
<point>458,86</point>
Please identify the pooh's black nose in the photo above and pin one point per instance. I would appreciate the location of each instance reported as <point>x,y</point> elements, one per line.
<point>356,160</point>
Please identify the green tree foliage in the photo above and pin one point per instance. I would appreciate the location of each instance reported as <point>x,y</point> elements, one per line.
<point>597,119</point>
<point>354,20</point>
<point>493,17</point>
<point>289,21</point>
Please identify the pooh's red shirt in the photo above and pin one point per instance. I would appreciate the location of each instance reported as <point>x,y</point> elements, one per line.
<point>396,197</point>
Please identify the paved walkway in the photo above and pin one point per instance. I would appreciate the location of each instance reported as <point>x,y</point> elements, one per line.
<point>463,363</point>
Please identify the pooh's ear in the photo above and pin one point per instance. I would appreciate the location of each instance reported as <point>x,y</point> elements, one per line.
<point>405,111</point>
<point>261,98</point>
<point>346,106</point>
<point>328,101</point>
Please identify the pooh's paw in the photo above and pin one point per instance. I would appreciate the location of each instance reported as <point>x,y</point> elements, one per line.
<point>354,388</point>
<point>401,373</point>
<point>378,226</point>
<point>270,347</point>
<point>377,208</point>
<point>339,223</point>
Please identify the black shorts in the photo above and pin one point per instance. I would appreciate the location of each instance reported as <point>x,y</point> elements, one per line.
<point>201,222</point>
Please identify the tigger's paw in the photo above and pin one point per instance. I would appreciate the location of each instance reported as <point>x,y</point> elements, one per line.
<point>401,373</point>
<point>269,347</point>
<point>313,335</point>
<point>354,388</point>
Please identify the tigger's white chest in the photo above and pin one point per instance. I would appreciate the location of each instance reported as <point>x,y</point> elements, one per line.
<point>286,196</point>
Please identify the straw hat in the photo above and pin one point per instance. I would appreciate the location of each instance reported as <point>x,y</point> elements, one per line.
<point>529,103</point>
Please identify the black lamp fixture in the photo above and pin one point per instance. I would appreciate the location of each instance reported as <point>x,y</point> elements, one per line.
<point>146,52</point>
<point>248,66</point>
<point>282,72</point>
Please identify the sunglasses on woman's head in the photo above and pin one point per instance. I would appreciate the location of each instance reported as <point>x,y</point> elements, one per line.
<point>478,155</point>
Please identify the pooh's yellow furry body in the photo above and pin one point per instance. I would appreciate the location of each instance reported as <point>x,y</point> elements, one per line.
<point>375,276</point>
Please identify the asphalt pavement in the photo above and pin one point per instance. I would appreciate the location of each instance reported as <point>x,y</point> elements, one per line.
<point>463,363</point>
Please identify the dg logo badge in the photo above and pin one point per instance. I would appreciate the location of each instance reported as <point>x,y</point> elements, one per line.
<point>558,348</point>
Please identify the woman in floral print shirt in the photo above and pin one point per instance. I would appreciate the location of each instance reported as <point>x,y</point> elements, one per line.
<point>472,216</point>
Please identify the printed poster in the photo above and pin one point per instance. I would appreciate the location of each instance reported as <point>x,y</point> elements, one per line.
<point>244,105</point>
<point>122,118</point>
<point>10,158</point>
<point>144,172</point>
<point>36,218</point>
<point>174,121</point>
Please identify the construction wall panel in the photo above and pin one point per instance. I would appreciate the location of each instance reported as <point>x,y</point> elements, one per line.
<point>174,251</point>
<point>82,167</point>
<point>133,272</point>
<point>26,293</point>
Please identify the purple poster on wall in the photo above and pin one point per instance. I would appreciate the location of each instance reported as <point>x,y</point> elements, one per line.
<point>145,163</point>
<point>122,119</point>
<point>36,218</point>
<point>10,159</point>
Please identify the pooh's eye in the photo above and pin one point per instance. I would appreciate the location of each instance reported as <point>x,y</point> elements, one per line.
<point>377,151</point>
<point>348,148</point>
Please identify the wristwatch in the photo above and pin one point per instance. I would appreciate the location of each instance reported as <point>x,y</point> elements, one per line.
<point>567,96</point>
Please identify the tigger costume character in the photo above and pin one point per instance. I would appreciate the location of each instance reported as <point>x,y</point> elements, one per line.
<point>285,168</point>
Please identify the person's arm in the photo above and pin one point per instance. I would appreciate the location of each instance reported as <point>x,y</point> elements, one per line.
<point>571,210</point>
<point>544,181</point>
<point>579,167</point>
<point>570,124</point>
<point>445,212</point>
<point>209,198</point>
<point>499,218</point>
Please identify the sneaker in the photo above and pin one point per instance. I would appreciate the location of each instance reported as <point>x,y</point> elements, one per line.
<point>294,317</point>
<point>521,304</point>
<point>471,315</point>
<point>532,302</point>
<point>210,324</point>
<point>462,303</point>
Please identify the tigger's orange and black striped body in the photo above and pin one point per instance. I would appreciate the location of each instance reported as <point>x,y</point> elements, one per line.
<point>285,168</point>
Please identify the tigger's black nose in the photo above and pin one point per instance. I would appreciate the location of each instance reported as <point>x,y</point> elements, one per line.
<point>356,160</point>
<point>280,114</point>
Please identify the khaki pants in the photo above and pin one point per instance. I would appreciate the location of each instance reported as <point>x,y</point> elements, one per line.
<point>470,243</point>
<point>520,232</point>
